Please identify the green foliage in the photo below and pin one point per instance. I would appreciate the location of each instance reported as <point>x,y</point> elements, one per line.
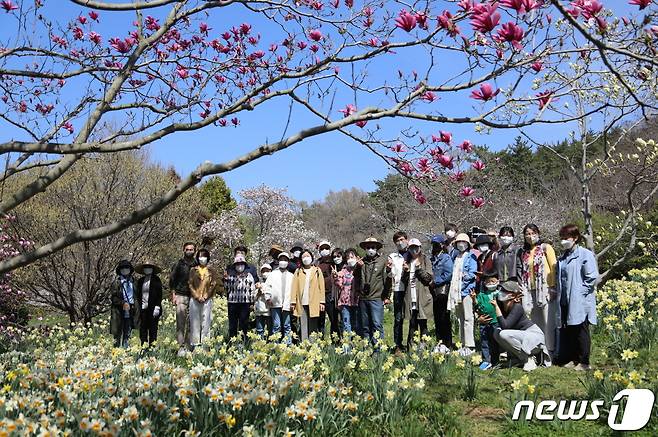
<point>216,196</point>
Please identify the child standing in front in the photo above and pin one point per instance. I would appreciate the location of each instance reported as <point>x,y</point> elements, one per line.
<point>486,317</point>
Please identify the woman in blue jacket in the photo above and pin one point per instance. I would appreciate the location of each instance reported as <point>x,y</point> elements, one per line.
<point>442,266</point>
<point>578,275</point>
<point>459,294</point>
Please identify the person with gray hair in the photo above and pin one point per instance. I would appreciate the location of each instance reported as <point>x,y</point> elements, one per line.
<point>518,335</point>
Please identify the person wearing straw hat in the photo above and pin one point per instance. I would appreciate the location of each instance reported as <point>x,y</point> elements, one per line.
<point>124,315</point>
<point>417,278</point>
<point>518,335</point>
<point>459,294</point>
<point>373,274</point>
<point>148,296</point>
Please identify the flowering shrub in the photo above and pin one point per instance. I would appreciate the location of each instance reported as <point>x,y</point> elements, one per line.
<point>628,310</point>
<point>72,380</point>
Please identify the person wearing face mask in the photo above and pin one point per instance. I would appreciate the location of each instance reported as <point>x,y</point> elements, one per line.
<point>442,265</point>
<point>296,253</point>
<point>518,336</point>
<point>536,269</point>
<point>400,239</point>
<point>450,230</point>
<point>484,244</point>
<point>242,250</point>
<point>261,311</point>
<point>278,288</point>
<point>327,266</point>
<point>373,273</point>
<point>348,298</point>
<point>204,283</point>
<point>307,295</point>
<point>418,302</point>
<point>180,294</point>
<point>486,317</point>
<point>459,294</point>
<point>124,315</point>
<point>240,287</point>
<point>578,274</point>
<point>505,258</point>
<point>148,296</point>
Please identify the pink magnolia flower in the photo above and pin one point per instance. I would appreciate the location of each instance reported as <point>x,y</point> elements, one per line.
<point>446,137</point>
<point>361,123</point>
<point>588,8</point>
<point>477,202</point>
<point>418,194</point>
<point>68,126</point>
<point>544,98</point>
<point>235,121</point>
<point>537,66</point>
<point>399,148</point>
<point>521,6</point>
<point>334,3</point>
<point>485,17</point>
<point>222,122</point>
<point>601,24</point>
<point>466,192</point>
<point>182,72</point>
<point>406,21</point>
<point>512,33</point>
<point>465,5</point>
<point>302,45</point>
<point>445,161</point>
<point>122,46</point>
<point>93,15</point>
<point>349,3</point>
<point>457,176</point>
<point>245,28</point>
<point>421,18</point>
<point>404,166</point>
<point>478,165</point>
<point>315,35</point>
<point>424,165</point>
<point>446,23</point>
<point>349,110</point>
<point>78,33</point>
<point>8,6</point>
<point>485,93</point>
<point>466,146</point>
<point>203,28</point>
<point>429,96</point>
<point>152,23</point>
<point>82,19</point>
<point>641,3</point>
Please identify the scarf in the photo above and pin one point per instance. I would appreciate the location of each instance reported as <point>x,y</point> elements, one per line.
<point>455,293</point>
<point>538,274</point>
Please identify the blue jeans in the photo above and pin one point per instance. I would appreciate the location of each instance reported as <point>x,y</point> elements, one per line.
<point>281,323</point>
<point>372,316</point>
<point>262,326</point>
<point>490,349</point>
<point>350,317</point>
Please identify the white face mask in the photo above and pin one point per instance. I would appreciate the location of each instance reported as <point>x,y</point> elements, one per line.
<point>533,239</point>
<point>567,244</point>
<point>338,260</point>
<point>451,234</point>
<point>462,246</point>
<point>351,262</point>
<point>401,245</point>
<point>325,252</point>
<point>491,287</point>
<point>283,264</point>
<point>415,250</point>
<point>506,240</point>
<point>371,251</point>
<point>307,260</point>
<point>203,260</point>
<point>148,270</point>
<point>124,272</point>
<point>239,268</point>
<point>265,274</point>
<point>297,253</point>
<point>483,247</point>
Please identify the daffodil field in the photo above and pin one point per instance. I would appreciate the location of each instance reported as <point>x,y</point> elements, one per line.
<point>62,380</point>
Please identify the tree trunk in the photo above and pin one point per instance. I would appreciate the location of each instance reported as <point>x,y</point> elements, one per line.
<point>587,215</point>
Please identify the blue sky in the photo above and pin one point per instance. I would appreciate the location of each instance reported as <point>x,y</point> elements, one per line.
<point>309,170</point>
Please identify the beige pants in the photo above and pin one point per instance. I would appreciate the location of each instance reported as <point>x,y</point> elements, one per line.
<point>545,317</point>
<point>466,321</point>
<point>182,320</point>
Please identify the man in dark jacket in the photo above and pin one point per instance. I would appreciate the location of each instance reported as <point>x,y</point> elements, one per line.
<point>326,265</point>
<point>148,297</point>
<point>180,294</point>
<point>375,284</point>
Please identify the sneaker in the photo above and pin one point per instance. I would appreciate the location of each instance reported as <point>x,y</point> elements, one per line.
<point>441,349</point>
<point>466,352</point>
<point>582,367</point>
<point>570,365</point>
<point>548,363</point>
<point>530,365</point>
<point>485,365</point>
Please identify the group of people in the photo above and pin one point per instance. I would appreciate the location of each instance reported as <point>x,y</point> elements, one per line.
<point>526,301</point>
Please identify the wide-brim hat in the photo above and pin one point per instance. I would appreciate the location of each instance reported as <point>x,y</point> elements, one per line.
<point>462,237</point>
<point>511,287</point>
<point>324,243</point>
<point>370,240</point>
<point>124,263</point>
<point>275,250</point>
<point>140,267</point>
<point>483,239</point>
<point>297,245</point>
